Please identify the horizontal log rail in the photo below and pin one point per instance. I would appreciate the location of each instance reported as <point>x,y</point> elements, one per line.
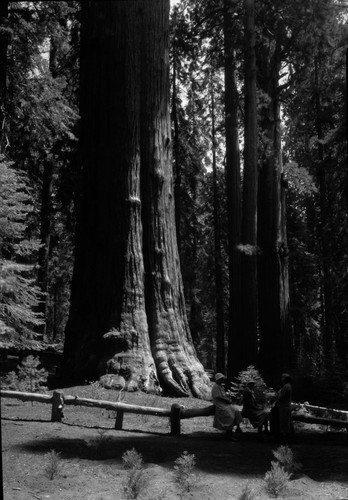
<point>176,413</point>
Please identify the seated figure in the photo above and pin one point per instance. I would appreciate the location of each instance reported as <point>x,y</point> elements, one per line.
<point>253,411</point>
<point>226,414</point>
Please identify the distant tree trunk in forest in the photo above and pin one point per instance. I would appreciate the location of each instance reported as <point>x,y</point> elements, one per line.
<point>326,258</point>
<point>45,238</point>
<point>3,76</point>
<point>219,298</point>
<point>127,313</point>
<point>273,278</point>
<point>249,217</point>
<point>45,211</point>
<point>233,187</point>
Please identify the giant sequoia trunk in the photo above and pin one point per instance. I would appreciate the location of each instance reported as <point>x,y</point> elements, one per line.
<point>275,338</point>
<point>127,313</point>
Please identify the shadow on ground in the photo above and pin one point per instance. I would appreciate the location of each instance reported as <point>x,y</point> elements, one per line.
<point>324,457</point>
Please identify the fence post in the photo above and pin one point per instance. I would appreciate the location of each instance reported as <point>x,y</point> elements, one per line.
<point>119,420</point>
<point>57,406</point>
<point>175,413</point>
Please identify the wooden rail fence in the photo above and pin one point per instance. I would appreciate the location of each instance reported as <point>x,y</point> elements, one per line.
<point>175,414</point>
<point>58,401</point>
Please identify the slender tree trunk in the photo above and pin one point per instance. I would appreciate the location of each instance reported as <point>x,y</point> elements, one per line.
<point>275,332</point>
<point>249,220</point>
<point>46,213</point>
<point>3,76</point>
<point>127,311</point>
<point>233,185</point>
<point>328,315</point>
<point>45,239</point>
<point>219,298</point>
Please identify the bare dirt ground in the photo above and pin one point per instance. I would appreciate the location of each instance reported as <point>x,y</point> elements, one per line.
<point>91,454</point>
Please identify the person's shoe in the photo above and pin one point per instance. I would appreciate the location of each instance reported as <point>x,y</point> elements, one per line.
<point>231,438</point>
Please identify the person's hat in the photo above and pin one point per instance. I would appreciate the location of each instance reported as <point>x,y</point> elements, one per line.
<point>219,376</point>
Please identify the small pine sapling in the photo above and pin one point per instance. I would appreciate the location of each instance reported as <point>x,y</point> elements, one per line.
<point>276,480</point>
<point>136,481</point>
<point>52,465</point>
<point>247,493</point>
<point>132,459</point>
<point>29,377</point>
<point>286,458</point>
<point>184,472</point>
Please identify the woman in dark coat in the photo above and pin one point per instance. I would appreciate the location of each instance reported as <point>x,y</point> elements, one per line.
<point>281,422</point>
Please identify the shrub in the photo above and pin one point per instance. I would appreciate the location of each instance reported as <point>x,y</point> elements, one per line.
<point>286,459</point>
<point>276,480</point>
<point>53,465</point>
<point>97,444</point>
<point>135,481</point>
<point>183,472</point>
<point>132,459</point>
<point>247,493</point>
<point>97,390</point>
<point>29,377</point>
<point>236,388</point>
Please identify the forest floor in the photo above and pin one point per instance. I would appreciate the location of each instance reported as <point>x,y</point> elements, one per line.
<point>91,454</point>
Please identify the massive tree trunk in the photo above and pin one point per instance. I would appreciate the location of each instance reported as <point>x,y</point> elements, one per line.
<point>249,220</point>
<point>275,333</point>
<point>233,187</point>
<point>177,166</point>
<point>127,313</point>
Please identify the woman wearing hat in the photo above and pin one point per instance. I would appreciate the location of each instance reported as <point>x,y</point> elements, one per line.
<point>226,415</point>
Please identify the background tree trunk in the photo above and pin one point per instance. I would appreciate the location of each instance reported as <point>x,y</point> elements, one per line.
<point>249,218</point>
<point>326,258</point>
<point>275,338</point>
<point>233,187</point>
<point>127,311</point>
<point>3,76</point>
<point>219,290</point>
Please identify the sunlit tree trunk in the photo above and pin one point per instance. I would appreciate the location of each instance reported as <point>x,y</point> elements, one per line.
<point>127,307</point>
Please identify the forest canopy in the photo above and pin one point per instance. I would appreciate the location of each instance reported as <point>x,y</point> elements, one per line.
<point>174,189</point>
